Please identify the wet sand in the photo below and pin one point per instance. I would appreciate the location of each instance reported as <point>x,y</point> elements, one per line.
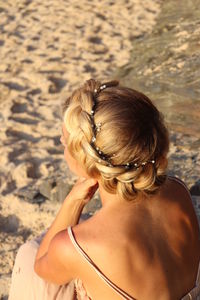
<point>165,65</point>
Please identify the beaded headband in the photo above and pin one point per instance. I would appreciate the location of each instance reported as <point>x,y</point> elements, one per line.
<point>97,128</point>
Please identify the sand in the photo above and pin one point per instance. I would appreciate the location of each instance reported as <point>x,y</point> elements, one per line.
<point>47,48</point>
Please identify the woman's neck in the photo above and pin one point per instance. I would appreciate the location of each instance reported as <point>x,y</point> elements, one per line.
<point>107,198</point>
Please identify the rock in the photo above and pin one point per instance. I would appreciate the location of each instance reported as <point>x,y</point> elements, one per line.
<point>24,232</point>
<point>95,40</point>
<point>57,84</point>
<point>34,92</point>
<point>15,86</point>
<point>31,48</point>
<point>9,224</point>
<point>60,191</point>
<point>45,188</point>
<point>195,189</point>
<point>31,194</point>
<point>55,189</point>
<point>18,107</point>
<point>10,187</point>
<point>196,203</point>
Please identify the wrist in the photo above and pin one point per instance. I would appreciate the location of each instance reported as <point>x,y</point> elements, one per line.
<point>74,208</point>
<point>70,201</point>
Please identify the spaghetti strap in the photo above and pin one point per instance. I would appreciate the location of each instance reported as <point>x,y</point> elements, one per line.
<point>123,294</point>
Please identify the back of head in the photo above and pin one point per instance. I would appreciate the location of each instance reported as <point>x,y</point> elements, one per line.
<point>117,134</point>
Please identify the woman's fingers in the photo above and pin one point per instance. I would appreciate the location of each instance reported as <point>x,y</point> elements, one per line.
<point>89,187</point>
<point>84,188</point>
<point>86,182</point>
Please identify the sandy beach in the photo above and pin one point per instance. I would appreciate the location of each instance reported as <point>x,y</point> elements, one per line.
<point>46,49</point>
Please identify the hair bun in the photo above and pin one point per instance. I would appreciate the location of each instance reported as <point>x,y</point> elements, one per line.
<point>129,149</point>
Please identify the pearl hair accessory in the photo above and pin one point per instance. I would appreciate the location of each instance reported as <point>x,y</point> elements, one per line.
<point>97,128</point>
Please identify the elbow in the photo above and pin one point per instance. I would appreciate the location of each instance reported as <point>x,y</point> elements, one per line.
<point>36,268</point>
<point>40,268</point>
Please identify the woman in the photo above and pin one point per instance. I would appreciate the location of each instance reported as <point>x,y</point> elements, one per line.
<point>144,241</point>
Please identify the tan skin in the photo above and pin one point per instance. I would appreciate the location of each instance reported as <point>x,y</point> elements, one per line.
<point>149,248</point>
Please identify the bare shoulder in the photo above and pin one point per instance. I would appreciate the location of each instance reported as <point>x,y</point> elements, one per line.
<point>71,242</point>
<point>63,247</point>
<point>62,263</point>
<point>57,264</point>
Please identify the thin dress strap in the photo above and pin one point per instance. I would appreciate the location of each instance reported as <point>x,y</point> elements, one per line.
<point>123,294</point>
<point>198,276</point>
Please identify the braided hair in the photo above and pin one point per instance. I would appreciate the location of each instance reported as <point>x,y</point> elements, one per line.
<point>118,134</point>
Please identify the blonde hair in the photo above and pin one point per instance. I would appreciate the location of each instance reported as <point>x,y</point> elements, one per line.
<point>132,130</point>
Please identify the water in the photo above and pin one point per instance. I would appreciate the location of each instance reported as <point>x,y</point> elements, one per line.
<point>165,65</point>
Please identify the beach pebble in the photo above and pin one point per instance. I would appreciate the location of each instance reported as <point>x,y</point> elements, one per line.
<point>9,224</point>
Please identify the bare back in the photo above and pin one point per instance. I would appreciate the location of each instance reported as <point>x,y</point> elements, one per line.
<point>150,249</point>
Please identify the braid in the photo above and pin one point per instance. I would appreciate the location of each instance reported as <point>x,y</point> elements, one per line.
<point>137,161</point>
<point>103,157</point>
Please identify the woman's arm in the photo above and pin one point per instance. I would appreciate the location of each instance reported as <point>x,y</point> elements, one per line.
<point>68,215</point>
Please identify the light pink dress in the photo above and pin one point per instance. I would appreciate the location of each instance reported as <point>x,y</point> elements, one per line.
<point>27,285</point>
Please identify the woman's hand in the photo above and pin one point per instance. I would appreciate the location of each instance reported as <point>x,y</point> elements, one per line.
<point>83,190</point>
